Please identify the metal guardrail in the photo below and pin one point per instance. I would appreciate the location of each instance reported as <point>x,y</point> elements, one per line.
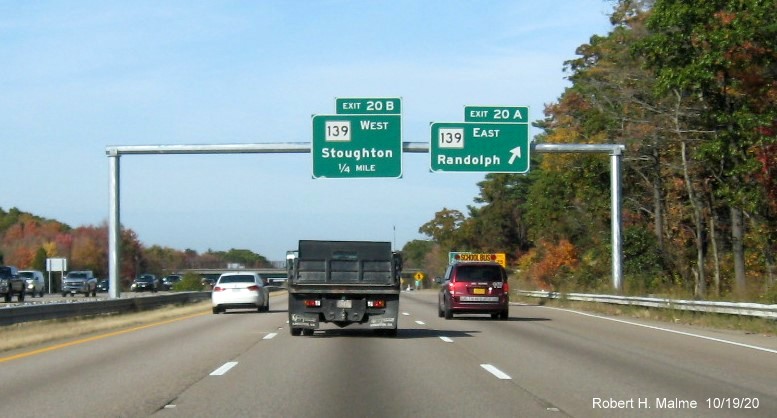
<point>732,308</point>
<point>28,313</point>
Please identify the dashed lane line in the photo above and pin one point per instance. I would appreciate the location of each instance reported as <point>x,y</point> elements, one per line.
<point>224,368</point>
<point>496,372</point>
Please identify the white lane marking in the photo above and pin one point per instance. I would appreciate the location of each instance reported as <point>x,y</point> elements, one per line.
<point>446,339</point>
<point>223,369</point>
<point>496,372</point>
<point>420,322</point>
<point>270,336</point>
<point>687,334</point>
<point>405,314</point>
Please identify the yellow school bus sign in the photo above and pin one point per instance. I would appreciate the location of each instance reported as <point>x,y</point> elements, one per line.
<point>463,257</point>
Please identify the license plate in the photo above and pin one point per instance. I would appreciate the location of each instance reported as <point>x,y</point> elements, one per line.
<point>492,299</point>
<point>478,291</point>
<point>344,304</point>
<point>236,290</point>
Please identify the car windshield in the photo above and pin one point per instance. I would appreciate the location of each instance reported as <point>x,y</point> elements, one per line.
<point>26,274</point>
<point>145,279</point>
<point>241,278</point>
<point>76,275</point>
<point>478,274</point>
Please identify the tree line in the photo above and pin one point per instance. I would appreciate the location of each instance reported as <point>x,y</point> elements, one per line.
<point>27,240</point>
<point>689,87</point>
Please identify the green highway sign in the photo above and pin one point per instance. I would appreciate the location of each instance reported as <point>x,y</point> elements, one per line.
<point>511,114</point>
<point>368,106</point>
<point>356,146</point>
<point>480,147</point>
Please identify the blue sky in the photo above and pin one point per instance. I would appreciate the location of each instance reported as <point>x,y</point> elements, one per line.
<point>78,76</point>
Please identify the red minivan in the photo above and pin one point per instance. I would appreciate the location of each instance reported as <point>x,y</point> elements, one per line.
<point>474,288</point>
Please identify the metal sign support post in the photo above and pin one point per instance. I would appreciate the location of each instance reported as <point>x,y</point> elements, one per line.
<point>115,152</point>
<point>114,226</point>
<point>616,217</point>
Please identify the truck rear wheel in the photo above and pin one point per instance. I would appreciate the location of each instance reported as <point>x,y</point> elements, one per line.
<point>307,331</point>
<point>295,331</point>
<point>20,297</point>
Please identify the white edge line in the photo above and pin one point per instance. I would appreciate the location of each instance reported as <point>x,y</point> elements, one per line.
<point>223,369</point>
<point>687,334</point>
<point>496,372</point>
<point>270,336</point>
<point>446,339</point>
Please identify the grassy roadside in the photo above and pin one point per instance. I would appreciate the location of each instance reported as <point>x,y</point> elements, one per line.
<point>749,325</point>
<point>30,334</point>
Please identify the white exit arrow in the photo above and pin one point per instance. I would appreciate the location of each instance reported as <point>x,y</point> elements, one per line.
<point>516,153</point>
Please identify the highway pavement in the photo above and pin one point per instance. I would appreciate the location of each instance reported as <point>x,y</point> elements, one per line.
<point>542,362</point>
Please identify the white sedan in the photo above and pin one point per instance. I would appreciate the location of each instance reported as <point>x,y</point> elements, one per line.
<point>240,291</point>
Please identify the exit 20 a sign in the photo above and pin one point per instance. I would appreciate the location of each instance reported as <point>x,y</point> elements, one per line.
<point>480,147</point>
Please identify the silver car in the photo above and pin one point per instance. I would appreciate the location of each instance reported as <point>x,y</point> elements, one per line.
<point>34,283</point>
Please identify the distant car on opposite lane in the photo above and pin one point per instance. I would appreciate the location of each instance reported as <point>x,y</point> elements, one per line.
<point>35,284</point>
<point>241,290</point>
<point>82,281</point>
<point>170,280</point>
<point>145,282</point>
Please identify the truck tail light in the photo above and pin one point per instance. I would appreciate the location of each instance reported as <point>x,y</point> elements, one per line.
<point>379,304</point>
<point>312,303</point>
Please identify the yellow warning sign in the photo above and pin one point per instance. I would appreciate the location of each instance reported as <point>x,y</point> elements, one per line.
<point>419,276</point>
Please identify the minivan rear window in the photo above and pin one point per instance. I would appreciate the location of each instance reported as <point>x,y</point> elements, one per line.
<point>480,273</point>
